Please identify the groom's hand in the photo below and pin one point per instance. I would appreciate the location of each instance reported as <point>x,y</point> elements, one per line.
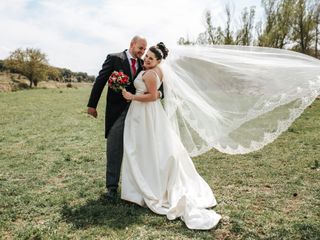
<point>93,112</point>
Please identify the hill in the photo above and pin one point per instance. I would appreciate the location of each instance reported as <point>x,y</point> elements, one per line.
<point>11,79</point>
<point>10,82</point>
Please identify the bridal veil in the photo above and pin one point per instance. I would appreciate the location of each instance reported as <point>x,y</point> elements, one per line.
<point>236,99</point>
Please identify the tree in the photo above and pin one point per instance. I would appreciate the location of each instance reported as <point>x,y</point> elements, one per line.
<point>30,63</point>
<point>228,38</point>
<point>213,35</point>
<point>219,37</point>
<point>293,24</point>
<point>209,27</point>
<point>183,41</point>
<point>259,33</point>
<point>203,38</point>
<point>270,9</point>
<point>267,34</point>
<point>91,78</point>
<point>303,26</point>
<point>2,67</point>
<point>244,35</point>
<point>66,74</point>
<point>54,74</point>
<point>277,31</point>
<point>81,76</point>
<point>317,29</point>
<point>284,19</point>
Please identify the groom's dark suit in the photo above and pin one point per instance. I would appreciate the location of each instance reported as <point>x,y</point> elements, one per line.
<point>116,110</point>
<point>116,104</point>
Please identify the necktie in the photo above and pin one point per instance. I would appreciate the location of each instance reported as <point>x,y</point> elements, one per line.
<point>133,66</point>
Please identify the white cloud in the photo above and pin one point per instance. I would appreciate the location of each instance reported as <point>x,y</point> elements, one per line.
<point>79,34</point>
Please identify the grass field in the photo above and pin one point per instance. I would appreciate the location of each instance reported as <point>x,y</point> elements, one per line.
<point>52,161</point>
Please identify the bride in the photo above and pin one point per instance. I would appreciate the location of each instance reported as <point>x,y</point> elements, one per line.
<point>157,170</point>
<point>232,98</point>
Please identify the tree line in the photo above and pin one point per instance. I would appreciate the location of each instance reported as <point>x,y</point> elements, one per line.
<point>290,24</point>
<point>33,64</point>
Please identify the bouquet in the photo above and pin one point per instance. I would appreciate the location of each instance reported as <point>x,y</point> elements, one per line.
<point>118,81</point>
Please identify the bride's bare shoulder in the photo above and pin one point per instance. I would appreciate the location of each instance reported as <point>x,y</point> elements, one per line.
<point>155,72</point>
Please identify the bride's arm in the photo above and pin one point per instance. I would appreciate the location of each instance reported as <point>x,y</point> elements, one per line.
<point>150,80</point>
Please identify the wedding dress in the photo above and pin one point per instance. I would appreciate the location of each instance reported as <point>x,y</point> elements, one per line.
<point>157,170</point>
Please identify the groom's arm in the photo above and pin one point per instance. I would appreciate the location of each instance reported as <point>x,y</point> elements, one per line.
<point>100,82</point>
<point>161,94</point>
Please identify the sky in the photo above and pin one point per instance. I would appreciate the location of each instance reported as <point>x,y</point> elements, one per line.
<point>78,34</point>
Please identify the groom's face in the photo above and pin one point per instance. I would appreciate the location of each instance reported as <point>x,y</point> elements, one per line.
<point>138,48</point>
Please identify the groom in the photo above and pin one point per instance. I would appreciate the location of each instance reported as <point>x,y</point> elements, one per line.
<point>130,63</point>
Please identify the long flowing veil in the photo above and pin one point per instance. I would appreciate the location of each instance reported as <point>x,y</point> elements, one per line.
<point>236,99</point>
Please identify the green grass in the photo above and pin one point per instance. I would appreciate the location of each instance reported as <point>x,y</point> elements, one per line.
<point>52,161</point>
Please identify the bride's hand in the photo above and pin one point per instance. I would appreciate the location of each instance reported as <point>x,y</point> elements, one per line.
<point>127,95</point>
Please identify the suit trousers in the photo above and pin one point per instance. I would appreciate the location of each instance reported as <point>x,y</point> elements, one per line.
<point>115,151</point>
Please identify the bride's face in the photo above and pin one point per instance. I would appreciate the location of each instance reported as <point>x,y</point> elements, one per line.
<point>150,60</point>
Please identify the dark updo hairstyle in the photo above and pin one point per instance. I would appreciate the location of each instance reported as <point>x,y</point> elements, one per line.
<point>160,51</point>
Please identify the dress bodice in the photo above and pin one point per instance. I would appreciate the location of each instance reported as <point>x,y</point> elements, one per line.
<point>139,84</point>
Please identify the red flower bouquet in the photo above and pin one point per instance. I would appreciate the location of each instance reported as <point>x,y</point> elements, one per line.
<point>118,81</point>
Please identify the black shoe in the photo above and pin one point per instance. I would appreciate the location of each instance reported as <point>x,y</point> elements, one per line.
<point>111,195</point>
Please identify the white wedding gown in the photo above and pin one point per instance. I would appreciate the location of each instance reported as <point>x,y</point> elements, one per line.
<point>157,170</point>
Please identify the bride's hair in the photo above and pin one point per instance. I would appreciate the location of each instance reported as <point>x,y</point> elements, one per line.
<point>160,51</point>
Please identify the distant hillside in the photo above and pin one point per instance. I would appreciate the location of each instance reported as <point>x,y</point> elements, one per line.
<point>11,80</point>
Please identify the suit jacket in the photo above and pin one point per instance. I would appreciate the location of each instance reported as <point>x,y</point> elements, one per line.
<point>116,104</point>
